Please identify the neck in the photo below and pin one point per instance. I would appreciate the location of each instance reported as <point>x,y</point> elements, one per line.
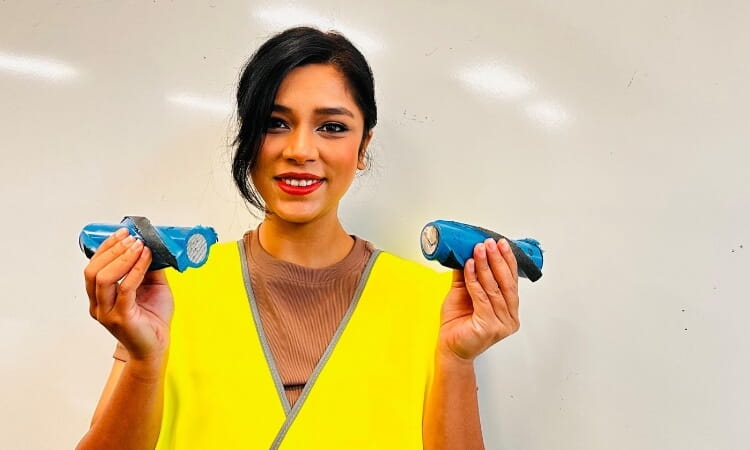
<point>314,245</point>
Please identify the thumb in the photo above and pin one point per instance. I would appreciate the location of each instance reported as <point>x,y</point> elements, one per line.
<point>155,277</point>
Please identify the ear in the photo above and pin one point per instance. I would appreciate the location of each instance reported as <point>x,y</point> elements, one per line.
<point>361,164</point>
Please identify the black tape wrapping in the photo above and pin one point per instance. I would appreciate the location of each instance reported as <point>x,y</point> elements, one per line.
<point>151,238</point>
<point>526,266</point>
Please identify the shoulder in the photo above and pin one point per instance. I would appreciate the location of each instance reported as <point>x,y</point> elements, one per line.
<point>224,248</point>
<point>222,257</point>
<point>387,258</point>
<point>404,271</point>
<point>412,289</point>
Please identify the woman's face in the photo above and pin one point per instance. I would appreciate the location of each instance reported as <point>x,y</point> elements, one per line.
<point>311,149</point>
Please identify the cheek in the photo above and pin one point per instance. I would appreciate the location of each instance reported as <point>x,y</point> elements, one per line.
<point>263,158</point>
<point>346,165</point>
<point>254,177</point>
<point>350,156</point>
<point>256,173</point>
<point>266,148</point>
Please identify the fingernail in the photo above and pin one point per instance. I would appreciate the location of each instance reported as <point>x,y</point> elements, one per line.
<point>137,244</point>
<point>504,244</point>
<point>128,240</point>
<point>121,233</point>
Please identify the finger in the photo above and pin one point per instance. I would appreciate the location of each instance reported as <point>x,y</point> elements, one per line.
<point>110,242</point>
<point>510,258</point>
<point>498,255</point>
<point>113,238</point>
<point>107,251</point>
<point>488,281</point>
<point>97,262</point>
<point>107,278</point>
<point>134,278</point>
<point>480,301</point>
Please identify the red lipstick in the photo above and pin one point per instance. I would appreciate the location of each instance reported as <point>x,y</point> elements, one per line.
<point>305,182</point>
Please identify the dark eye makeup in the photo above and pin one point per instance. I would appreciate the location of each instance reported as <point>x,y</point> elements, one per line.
<point>274,123</point>
<point>333,127</point>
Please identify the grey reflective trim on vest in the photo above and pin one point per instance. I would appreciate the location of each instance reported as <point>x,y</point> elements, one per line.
<point>327,354</point>
<point>261,334</point>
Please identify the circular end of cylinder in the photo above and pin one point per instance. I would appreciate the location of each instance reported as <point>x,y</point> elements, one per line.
<point>197,248</point>
<point>429,240</point>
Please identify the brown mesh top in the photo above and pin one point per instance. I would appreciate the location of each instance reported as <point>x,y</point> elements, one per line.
<point>300,308</point>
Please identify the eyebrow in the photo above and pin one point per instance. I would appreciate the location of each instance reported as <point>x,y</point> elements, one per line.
<point>327,111</point>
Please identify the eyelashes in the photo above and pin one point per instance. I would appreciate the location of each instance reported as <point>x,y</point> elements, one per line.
<point>333,127</point>
<point>277,125</point>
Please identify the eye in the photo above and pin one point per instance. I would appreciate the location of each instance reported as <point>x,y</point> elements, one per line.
<point>333,127</point>
<point>276,124</point>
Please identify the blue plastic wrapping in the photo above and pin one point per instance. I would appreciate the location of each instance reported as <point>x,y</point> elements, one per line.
<point>452,243</point>
<point>178,247</point>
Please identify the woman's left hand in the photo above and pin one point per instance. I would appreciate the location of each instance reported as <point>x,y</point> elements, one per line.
<point>482,306</point>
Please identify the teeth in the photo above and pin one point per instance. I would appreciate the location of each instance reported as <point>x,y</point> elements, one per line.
<point>298,182</point>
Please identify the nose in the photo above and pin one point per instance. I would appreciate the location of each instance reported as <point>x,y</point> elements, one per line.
<point>301,147</point>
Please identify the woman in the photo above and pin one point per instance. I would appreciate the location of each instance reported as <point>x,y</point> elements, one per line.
<point>299,335</point>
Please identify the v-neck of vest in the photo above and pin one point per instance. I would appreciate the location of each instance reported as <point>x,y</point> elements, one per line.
<point>292,411</point>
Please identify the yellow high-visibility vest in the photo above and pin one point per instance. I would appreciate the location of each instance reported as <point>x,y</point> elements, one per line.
<point>367,392</point>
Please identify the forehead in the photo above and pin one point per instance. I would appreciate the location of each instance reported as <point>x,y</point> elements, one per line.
<point>314,86</point>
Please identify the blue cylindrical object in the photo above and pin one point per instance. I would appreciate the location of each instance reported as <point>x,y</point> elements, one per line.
<point>452,243</point>
<point>178,247</point>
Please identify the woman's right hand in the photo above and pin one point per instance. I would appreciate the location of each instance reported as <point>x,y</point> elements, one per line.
<point>137,310</point>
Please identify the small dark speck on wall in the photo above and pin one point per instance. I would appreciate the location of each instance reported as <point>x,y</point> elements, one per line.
<point>683,310</point>
<point>631,79</point>
<point>685,329</point>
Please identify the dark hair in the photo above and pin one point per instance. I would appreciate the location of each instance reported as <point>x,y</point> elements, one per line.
<point>264,72</point>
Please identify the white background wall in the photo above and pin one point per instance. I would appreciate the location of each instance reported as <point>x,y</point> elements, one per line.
<point>614,132</point>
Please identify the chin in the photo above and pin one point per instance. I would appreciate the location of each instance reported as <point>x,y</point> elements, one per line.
<point>297,215</point>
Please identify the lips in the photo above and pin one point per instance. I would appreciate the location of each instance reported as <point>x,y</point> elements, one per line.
<point>298,183</point>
